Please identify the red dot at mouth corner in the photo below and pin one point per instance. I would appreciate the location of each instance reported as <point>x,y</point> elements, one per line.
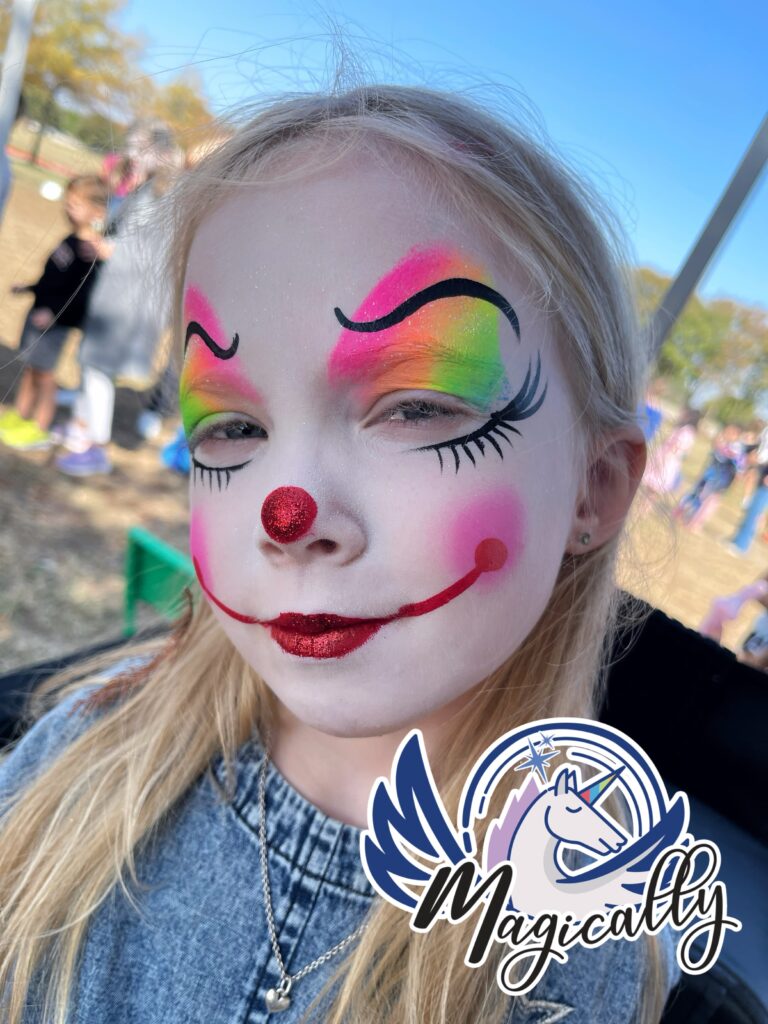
<point>490,554</point>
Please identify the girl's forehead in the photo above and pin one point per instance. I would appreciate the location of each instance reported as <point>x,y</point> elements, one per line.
<point>328,237</point>
<point>282,266</point>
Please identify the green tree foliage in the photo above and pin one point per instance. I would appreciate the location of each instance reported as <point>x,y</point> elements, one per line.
<point>82,77</point>
<point>76,53</point>
<point>181,104</point>
<point>740,411</point>
<point>719,342</point>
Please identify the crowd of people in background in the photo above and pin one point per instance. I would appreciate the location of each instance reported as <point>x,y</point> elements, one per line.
<point>735,454</point>
<point>103,279</point>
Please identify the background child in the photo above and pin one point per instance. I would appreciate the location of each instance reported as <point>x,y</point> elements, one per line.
<point>727,459</point>
<point>126,315</point>
<point>339,475</point>
<point>664,471</point>
<point>60,301</point>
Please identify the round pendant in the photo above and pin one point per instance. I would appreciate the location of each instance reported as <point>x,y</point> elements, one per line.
<point>277,1001</point>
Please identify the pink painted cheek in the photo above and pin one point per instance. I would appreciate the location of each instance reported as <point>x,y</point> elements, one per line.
<point>198,547</point>
<point>497,515</point>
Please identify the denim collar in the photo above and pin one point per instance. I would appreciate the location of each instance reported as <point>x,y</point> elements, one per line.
<point>297,831</point>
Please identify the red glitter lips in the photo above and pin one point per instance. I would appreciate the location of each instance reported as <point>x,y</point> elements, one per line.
<point>332,636</point>
<point>321,636</point>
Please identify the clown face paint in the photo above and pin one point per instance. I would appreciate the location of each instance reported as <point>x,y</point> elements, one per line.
<point>365,586</point>
<point>213,375</point>
<point>431,323</point>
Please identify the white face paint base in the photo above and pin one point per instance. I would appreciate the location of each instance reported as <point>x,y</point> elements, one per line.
<point>392,529</point>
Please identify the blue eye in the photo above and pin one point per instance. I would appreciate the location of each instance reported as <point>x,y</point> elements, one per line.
<point>500,424</point>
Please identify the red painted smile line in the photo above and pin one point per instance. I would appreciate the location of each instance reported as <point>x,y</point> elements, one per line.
<point>332,636</point>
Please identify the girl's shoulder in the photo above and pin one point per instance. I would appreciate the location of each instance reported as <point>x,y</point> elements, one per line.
<point>50,734</point>
<point>27,757</point>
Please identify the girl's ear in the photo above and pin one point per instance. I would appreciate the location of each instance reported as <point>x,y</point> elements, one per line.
<point>612,478</point>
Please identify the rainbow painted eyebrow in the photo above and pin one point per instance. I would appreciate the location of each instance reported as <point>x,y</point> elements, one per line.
<point>450,288</point>
<point>451,352</point>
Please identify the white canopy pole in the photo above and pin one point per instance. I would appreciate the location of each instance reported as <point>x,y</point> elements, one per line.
<point>14,62</point>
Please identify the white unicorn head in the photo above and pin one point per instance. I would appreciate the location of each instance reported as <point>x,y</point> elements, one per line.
<point>571,815</point>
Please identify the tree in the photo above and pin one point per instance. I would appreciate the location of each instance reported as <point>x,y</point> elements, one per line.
<point>76,51</point>
<point>719,342</point>
<point>180,104</point>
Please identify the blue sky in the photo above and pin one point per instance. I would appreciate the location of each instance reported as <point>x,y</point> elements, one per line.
<point>657,101</point>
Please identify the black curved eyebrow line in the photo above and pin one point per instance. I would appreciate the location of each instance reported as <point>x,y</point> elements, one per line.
<point>450,288</point>
<point>196,330</point>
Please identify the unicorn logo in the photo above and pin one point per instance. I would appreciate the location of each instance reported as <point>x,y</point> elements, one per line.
<point>569,853</point>
<point>586,850</point>
<point>536,829</point>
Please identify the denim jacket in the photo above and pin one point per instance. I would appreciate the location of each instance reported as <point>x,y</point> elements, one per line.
<point>198,951</point>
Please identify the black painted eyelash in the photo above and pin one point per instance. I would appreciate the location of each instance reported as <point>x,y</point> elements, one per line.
<point>499,424</point>
<point>212,471</point>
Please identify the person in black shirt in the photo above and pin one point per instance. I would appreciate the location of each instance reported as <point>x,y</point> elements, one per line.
<point>61,297</point>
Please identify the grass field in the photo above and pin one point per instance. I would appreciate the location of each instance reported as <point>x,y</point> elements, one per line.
<point>67,155</point>
<point>62,541</point>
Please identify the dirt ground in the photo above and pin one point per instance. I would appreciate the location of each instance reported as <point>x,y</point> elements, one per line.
<point>62,541</point>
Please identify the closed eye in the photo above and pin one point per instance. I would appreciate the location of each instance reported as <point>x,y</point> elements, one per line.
<point>209,474</point>
<point>574,810</point>
<point>217,442</point>
<point>419,410</point>
<point>499,427</point>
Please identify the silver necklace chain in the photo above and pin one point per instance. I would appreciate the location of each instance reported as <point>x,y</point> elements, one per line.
<point>278,999</point>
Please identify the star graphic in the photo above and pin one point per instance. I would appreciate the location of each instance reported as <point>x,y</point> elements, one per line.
<point>536,762</point>
<point>546,741</point>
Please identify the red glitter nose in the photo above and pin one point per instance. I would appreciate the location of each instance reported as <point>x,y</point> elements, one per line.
<point>288,513</point>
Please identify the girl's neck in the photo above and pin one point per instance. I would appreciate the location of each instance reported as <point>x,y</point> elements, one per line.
<point>337,773</point>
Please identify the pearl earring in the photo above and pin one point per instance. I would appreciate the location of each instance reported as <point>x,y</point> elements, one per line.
<point>585,538</point>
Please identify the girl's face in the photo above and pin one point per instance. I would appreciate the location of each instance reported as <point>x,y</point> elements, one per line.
<point>385,459</point>
<point>80,211</point>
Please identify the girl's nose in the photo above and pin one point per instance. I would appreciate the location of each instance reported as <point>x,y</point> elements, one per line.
<point>288,514</point>
<point>296,532</point>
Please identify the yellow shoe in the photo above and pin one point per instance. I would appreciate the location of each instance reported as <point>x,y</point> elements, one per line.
<point>10,420</point>
<point>27,437</point>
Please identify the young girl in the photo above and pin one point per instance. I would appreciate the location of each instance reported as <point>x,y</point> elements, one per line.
<point>403,338</point>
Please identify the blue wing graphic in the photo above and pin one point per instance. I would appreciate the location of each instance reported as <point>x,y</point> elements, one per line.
<point>406,812</point>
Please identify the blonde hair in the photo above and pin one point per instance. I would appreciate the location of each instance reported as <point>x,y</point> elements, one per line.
<point>197,697</point>
<point>91,187</point>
